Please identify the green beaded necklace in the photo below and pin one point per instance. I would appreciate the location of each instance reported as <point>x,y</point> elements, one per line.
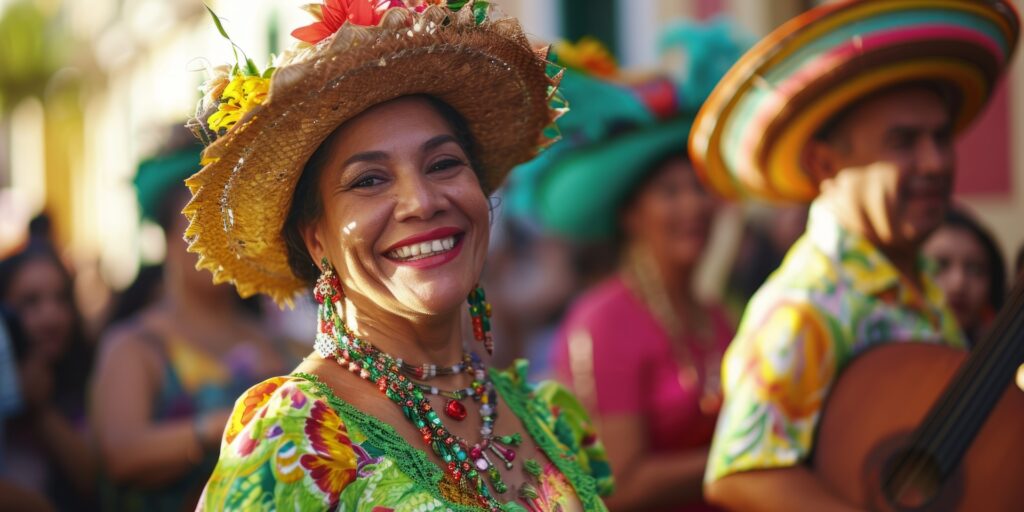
<point>464,464</point>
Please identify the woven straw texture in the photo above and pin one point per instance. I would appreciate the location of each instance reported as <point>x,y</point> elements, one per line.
<point>487,72</point>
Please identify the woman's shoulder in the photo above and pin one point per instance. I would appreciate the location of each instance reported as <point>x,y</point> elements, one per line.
<point>564,424</point>
<point>266,402</point>
<point>284,442</point>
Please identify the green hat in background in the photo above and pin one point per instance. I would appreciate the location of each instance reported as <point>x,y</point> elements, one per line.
<point>614,132</point>
<point>158,175</point>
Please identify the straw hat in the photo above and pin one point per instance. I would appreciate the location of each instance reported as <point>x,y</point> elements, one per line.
<point>748,138</point>
<point>263,129</point>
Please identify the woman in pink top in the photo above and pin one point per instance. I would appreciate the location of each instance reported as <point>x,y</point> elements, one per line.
<point>644,354</point>
<point>639,349</point>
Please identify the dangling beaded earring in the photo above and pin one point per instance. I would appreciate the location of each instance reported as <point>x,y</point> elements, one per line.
<point>480,312</point>
<point>328,294</point>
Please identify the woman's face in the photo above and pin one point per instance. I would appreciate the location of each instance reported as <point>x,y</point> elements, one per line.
<point>672,214</point>
<point>40,297</point>
<point>963,273</point>
<point>405,221</point>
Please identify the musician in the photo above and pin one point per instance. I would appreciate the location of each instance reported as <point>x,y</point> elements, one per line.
<point>855,112</point>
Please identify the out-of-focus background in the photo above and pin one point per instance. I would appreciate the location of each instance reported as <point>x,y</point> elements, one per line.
<point>86,85</point>
<point>88,89</point>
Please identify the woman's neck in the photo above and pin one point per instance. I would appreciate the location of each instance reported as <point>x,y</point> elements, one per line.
<point>676,279</point>
<point>424,339</point>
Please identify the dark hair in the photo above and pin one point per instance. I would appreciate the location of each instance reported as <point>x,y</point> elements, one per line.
<point>652,170</point>
<point>958,219</point>
<point>306,207</point>
<point>1019,264</point>
<point>830,128</point>
<point>143,292</point>
<point>72,369</point>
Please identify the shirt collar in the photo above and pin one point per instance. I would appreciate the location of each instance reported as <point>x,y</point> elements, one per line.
<point>869,270</point>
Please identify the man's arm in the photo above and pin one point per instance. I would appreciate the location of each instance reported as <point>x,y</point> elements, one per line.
<point>776,375</point>
<point>793,489</point>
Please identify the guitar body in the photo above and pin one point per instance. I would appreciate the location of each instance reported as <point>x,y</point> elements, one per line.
<point>880,398</point>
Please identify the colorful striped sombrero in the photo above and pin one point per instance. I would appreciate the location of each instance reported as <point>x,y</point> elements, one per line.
<point>748,137</point>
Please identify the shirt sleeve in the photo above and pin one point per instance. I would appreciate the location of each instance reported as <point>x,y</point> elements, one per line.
<point>776,375</point>
<point>284,448</point>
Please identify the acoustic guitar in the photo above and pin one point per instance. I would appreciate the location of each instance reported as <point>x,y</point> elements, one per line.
<point>916,426</point>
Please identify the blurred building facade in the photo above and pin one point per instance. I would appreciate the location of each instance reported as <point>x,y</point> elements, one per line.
<point>86,87</point>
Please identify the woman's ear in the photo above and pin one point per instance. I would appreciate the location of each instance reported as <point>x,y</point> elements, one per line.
<point>315,243</point>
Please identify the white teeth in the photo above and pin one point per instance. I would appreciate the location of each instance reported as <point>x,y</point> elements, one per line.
<point>423,249</point>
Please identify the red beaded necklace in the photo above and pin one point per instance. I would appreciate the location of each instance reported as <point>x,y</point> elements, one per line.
<point>465,464</point>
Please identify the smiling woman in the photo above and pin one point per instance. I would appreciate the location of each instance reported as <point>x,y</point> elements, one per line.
<point>364,174</point>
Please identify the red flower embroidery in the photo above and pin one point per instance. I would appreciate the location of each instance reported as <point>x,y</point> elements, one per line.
<point>335,463</point>
<point>334,14</point>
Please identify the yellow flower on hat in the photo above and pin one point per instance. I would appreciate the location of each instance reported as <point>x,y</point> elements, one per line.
<point>242,94</point>
<point>588,55</point>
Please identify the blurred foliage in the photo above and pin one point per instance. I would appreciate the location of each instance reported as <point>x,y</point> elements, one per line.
<point>32,48</point>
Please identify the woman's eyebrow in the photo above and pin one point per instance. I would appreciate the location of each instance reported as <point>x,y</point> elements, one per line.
<point>439,140</point>
<point>366,156</point>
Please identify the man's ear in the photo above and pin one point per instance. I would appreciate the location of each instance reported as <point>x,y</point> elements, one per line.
<point>819,160</point>
<point>315,244</point>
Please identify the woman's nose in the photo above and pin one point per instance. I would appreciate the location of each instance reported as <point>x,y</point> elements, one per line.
<point>418,198</point>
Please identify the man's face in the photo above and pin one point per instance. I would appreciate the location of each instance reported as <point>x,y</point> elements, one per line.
<point>890,163</point>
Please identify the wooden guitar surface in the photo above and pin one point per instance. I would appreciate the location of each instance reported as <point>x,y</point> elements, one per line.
<point>877,403</point>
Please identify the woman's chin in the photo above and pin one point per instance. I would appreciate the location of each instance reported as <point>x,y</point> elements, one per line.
<point>434,298</point>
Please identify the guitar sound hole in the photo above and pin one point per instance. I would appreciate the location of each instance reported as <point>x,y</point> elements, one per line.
<point>911,480</point>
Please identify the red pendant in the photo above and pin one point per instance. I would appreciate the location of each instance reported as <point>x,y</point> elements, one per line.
<point>455,410</point>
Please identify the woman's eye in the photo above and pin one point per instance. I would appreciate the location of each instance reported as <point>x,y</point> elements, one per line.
<point>367,181</point>
<point>447,163</point>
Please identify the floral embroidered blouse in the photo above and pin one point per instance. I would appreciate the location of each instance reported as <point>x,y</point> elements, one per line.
<point>834,296</point>
<point>291,444</point>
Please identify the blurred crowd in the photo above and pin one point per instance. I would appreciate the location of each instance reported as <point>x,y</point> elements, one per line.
<point>125,411</point>
<point>117,399</point>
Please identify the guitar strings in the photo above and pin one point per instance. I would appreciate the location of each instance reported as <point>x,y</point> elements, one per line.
<point>938,437</point>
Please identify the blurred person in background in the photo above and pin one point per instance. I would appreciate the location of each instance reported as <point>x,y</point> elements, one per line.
<point>529,278</point>
<point>146,289</point>
<point>641,350</point>
<point>970,270</point>
<point>46,445</point>
<point>15,497</point>
<point>168,375</point>
<point>1018,267</point>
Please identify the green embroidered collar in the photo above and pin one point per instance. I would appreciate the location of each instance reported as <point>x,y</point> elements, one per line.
<point>511,386</point>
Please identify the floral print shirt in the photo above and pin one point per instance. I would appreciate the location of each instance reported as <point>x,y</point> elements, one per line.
<point>292,445</point>
<point>834,295</point>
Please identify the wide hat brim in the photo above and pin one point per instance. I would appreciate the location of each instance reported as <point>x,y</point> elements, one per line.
<point>748,138</point>
<point>580,197</point>
<point>487,72</point>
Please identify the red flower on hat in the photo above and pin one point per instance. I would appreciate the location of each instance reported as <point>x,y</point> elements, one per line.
<point>332,14</point>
